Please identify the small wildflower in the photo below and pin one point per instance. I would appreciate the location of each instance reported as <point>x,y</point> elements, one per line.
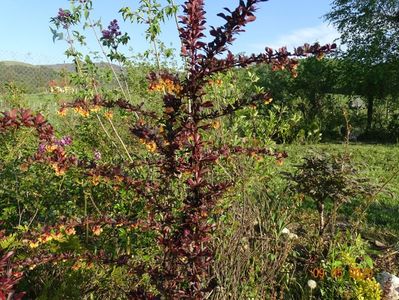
<point>166,85</point>
<point>76,266</point>
<point>70,231</point>
<point>109,115</point>
<point>58,237</point>
<point>97,155</point>
<point>45,238</point>
<point>81,111</point>
<point>42,148</point>
<point>64,18</point>
<point>109,36</point>
<point>34,245</point>
<point>51,148</point>
<point>62,112</point>
<point>320,56</point>
<point>95,108</point>
<point>356,273</point>
<point>24,167</point>
<point>151,146</point>
<point>216,124</point>
<point>59,171</point>
<point>267,100</point>
<point>336,273</point>
<point>97,230</point>
<point>312,284</point>
<point>64,141</point>
<point>95,180</point>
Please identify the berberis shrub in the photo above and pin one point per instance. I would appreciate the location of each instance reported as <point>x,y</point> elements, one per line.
<point>168,249</point>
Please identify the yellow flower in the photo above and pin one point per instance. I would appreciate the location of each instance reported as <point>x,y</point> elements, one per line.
<point>33,245</point>
<point>151,146</point>
<point>51,148</point>
<point>267,100</point>
<point>216,124</point>
<point>45,238</point>
<point>320,56</point>
<point>109,115</point>
<point>62,112</point>
<point>95,108</point>
<point>81,111</point>
<point>58,236</point>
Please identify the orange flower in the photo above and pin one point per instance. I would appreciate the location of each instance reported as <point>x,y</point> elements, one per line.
<point>95,180</point>
<point>59,171</point>
<point>24,167</point>
<point>76,266</point>
<point>336,272</point>
<point>166,85</point>
<point>109,115</point>
<point>356,273</point>
<point>318,273</point>
<point>97,230</point>
<point>70,231</point>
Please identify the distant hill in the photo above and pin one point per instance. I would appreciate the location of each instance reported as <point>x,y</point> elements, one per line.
<point>31,78</point>
<point>15,63</point>
<point>35,78</point>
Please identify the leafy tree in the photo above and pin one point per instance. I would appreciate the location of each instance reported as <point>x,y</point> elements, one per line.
<point>369,28</point>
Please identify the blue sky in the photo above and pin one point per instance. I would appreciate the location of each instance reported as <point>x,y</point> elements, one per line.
<point>24,27</point>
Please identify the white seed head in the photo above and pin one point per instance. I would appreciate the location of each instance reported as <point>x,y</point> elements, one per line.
<point>312,284</point>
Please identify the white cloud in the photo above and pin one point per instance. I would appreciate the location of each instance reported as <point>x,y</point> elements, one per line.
<point>324,34</point>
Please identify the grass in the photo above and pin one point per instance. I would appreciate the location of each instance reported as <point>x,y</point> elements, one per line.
<point>379,163</point>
